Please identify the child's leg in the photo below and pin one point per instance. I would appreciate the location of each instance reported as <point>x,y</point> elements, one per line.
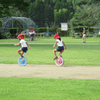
<point>54,51</point>
<point>20,52</point>
<point>29,36</point>
<point>32,38</point>
<point>60,54</point>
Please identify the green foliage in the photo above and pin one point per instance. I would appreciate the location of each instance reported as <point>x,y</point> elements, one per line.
<point>57,11</point>
<point>86,15</point>
<point>63,11</point>
<point>42,29</point>
<point>6,5</point>
<point>53,28</point>
<point>10,7</point>
<point>48,17</point>
<point>4,35</point>
<point>46,12</point>
<point>36,12</point>
<point>62,33</point>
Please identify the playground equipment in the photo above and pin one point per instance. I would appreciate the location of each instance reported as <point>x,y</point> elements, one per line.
<point>17,23</point>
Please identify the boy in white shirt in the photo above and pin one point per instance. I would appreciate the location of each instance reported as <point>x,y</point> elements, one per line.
<point>31,34</point>
<point>23,43</point>
<point>60,44</point>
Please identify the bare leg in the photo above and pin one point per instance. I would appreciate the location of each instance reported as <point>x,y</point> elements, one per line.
<point>20,52</point>
<point>32,38</point>
<point>54,51</point>
<point>60,54</point>
<point>29,36</point>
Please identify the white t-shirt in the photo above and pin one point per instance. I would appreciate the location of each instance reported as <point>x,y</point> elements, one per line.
<point>99,33</point>
<point>33,32</point>
<point>30,33</point>
<point>23,43</point>
<point>84,35</point>
<point>59,42</point>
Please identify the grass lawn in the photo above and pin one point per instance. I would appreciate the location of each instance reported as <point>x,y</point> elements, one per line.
<point>12,88</point>
<point>76,54</point>
<point>49,89</point>
<point>51,40</point>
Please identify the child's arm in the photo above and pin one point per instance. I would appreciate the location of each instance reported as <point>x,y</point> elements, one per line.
<point>64,45</point>
<point>28,45</point>
<point>55,44</point>
<point>17,44</point>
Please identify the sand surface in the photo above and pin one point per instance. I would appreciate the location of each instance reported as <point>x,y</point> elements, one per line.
<point>50,71</point>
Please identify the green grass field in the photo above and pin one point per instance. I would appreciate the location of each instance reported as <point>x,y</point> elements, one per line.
<point>76,54</point>
<point>50,89</point>
<point>51,40</point>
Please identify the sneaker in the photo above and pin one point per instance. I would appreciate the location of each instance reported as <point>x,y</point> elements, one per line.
<point>55,58</point>
<point>22,56</point>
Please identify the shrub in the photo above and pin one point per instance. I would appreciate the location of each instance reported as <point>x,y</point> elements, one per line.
<point>42,29</point>
<point>4,35</point>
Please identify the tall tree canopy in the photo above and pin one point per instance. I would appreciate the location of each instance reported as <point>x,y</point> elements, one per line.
<point>50,11</point>
<point>47,11</point>
<point>6,5</point>
<point>86,15</point>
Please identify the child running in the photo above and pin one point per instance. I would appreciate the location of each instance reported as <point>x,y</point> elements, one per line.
<point>60,44</point>
<point>23,43</point>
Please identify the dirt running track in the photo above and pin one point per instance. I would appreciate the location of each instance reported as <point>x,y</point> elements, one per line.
<point>50,71</point>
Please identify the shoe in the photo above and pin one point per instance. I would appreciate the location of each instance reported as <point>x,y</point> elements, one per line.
<point>55,58</point>
<point>84,42</point>
<point>22,57</point>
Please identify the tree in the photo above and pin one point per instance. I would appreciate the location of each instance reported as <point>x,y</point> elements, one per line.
<point>63,11</point>
<point>36,12</point>
<point>86,15</point>
<point>6,5</point>
<point>54,11</point>
<point>49,18</point>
